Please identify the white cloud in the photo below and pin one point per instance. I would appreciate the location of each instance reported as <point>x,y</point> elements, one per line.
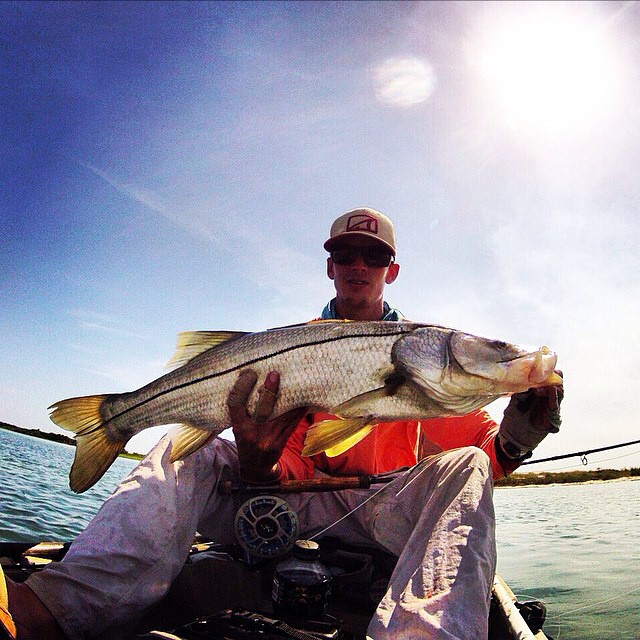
<point>187,219</point>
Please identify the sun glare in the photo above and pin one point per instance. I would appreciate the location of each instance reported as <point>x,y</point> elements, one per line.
<point>547,69</point>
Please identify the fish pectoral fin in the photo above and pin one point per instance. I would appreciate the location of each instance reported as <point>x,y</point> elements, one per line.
<point>345,445</point>
<point>193,343</point>
<point>335,436</point>
<point>187,439</point>
<point>95,452</point>
<point>361,402</point>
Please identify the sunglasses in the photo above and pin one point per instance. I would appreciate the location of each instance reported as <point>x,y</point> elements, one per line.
<point>372,256</point>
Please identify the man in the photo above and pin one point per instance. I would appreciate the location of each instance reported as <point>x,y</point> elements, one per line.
<point>436,517</point>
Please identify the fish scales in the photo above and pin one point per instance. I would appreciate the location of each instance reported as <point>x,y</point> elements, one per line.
<point>362,371</point>
<point>319,368</point>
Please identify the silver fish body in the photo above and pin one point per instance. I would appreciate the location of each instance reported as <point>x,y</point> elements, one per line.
<point>363,372</point>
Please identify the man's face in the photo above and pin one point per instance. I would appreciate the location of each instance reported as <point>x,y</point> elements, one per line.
<point>357,284</point>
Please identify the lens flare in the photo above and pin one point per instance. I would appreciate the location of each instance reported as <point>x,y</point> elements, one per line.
<point>403,82</point>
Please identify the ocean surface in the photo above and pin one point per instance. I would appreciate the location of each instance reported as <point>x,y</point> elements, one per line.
<point>573,546</point>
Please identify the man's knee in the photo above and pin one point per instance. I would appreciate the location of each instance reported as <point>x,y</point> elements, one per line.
<point>467,456</point>
<point>476,456</point>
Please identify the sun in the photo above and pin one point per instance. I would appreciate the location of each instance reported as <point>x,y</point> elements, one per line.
<point>547,66</point>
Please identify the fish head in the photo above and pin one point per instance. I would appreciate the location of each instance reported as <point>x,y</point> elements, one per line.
<point>507,367</point>
<point>461,372</point>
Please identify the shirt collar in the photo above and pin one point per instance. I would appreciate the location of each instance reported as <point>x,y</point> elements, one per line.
<point>389,313</point>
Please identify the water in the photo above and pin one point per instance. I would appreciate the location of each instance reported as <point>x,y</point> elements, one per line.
<point>573,546</point>
<point>35,500</point>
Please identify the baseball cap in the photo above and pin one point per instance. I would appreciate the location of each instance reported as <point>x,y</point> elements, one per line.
<point>362,222</point>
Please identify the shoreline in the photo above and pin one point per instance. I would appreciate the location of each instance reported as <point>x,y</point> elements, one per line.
<point>523,479</point>
<point>526,485</point>
<point>57,437</point>
<point>581,476</point>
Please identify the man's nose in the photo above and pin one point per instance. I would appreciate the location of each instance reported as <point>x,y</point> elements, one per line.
<point>359,261</point>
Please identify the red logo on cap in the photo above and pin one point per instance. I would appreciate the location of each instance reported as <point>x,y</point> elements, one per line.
<point>362,222</point>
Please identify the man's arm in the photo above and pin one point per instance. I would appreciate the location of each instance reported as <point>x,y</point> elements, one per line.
<point>260,441</point>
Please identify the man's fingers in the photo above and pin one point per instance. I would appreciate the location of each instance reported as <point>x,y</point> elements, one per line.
<point>272,382</point>
<point>267,397</point>
<point>553,401</point>
<point>525,400</point>
<point>242,388</point>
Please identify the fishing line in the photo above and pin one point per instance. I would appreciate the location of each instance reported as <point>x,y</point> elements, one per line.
<point>595,604</point>
<point>373,495</point>
<point>346,515</point>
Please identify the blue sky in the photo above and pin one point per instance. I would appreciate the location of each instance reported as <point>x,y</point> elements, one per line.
<point>176,166</point>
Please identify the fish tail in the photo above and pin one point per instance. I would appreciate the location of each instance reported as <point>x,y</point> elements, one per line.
<point>95,451</point>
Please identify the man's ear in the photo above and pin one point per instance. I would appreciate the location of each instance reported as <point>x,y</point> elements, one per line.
<point>392,272</point>
<point>330,271</point>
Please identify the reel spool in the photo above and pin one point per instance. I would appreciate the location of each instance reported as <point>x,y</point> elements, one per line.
<point>266,526</point>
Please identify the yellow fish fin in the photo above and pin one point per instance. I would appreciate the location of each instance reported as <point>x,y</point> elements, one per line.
<point>335,436</point>
<point>95,452</point>
<point>193,343</point>
<point>188,439</point>
<point>79,415</point>
<point>345,445</point>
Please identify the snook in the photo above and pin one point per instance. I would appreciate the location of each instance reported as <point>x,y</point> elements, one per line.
<point>363,372</point>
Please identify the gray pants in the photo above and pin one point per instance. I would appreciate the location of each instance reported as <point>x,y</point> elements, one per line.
<point>437,518</point>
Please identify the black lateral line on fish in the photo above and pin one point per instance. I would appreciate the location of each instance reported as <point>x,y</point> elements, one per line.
<point>248,363</point>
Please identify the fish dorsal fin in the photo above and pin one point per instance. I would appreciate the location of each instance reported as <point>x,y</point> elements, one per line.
<point>193,343</point>
<point>311,322</point>
<point>335,436</point>
<point>188,439</point>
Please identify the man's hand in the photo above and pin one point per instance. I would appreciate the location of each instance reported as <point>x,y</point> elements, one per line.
<point>260,441</point>
<point>528,418</point>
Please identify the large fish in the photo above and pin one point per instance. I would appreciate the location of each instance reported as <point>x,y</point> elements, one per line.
<point>363,372</point>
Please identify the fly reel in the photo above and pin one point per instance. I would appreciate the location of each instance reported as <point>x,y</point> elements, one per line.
<point>266,526</point>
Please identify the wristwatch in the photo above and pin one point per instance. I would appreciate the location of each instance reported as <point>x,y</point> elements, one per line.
<point>512,452</point>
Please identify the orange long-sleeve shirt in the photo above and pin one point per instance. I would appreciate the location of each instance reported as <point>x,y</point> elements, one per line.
<point>392,445</point>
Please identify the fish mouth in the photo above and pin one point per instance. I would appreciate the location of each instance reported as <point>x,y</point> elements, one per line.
<point>536,367</point>
<point>511,367</point>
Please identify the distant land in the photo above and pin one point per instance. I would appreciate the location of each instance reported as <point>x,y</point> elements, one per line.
<point>56,437</point>
<point>514,480</point>
<point>563,477</point>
